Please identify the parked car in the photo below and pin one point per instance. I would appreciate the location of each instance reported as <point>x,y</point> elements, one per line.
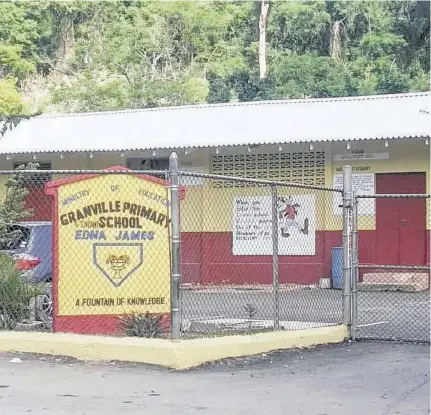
<point>31,249</point>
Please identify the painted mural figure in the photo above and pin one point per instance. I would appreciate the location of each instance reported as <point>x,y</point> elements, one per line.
<point>288,217</point>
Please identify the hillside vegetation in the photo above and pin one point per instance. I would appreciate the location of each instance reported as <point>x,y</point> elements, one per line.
<point>95,56</point>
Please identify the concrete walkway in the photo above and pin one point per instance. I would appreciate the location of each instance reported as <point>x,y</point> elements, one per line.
<point>354,379</point>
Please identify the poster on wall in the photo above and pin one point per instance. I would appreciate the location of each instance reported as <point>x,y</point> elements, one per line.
<point>363,184</point>
<point>252,225</point>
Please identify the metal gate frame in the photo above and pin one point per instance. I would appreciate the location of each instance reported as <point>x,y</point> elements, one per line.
<point>175,173</point>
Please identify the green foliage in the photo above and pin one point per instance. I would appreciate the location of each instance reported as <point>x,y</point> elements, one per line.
<point>310,76</point>
<point>20,32</point>
<point>95,56</point>
<point>13,209</point>
<point>15,294</point>
<point>88,96</point>
<point>10,99</point>
<point>219,89</point>
<point>299,26</point>
<point>142,325</point>
<point>12,108</point>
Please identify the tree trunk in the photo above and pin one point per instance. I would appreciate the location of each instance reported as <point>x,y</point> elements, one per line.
<point>66,41</point>
<point>335,44</point>
<point>262,39</point>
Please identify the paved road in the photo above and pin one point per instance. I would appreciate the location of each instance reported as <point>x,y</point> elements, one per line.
<point>383,314</point>
<point>355,379</point>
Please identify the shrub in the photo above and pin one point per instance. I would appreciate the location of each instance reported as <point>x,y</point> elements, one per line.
<point>15,294</point>
<point>251,311</point>
<point>142,325</point>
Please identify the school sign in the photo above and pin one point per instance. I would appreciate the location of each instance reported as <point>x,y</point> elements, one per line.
<point>111,249</point>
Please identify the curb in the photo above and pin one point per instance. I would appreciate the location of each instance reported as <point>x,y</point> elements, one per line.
<point>179,355</point>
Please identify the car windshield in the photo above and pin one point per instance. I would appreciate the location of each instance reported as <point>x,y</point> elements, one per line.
<point>15,237</point>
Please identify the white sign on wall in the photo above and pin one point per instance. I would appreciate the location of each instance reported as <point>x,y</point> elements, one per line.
<point>363,184</point>
<point>361,156</point>
<point>252,225</point>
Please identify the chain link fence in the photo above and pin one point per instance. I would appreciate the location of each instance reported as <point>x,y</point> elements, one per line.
<point>25,250</point>
<point>186,254</point>
<point>391,278</point>
<point>80,248</point>
<point>256,255</point>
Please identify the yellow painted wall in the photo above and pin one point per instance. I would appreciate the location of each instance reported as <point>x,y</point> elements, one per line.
<point>217,203</point>
<point>208,208</point>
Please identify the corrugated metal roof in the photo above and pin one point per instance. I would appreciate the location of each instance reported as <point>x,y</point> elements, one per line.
<point>252,123</point>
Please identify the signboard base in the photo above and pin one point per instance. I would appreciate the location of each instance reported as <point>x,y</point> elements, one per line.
<point>98,325</point>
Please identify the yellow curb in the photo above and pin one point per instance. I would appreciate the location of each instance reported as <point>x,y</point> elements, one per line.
<point>198,351</point>
<point>179,355</point>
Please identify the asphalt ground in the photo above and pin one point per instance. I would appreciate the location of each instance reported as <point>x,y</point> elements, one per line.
<point>355,379</point>
<point>381,315</point>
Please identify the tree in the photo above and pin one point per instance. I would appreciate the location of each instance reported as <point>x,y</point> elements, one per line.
<point>310,76</point>
<point>20,32</point>
<point>96,56</point>
<point>299,27</point>
<point>219,89</point>
<point>10,100</point>
<point>13,209</point>
<point>12,109</point>
<point>262,38</point>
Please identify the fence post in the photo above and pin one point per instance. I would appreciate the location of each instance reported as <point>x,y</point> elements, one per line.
<point>354,266</point>
<point>175,246</point>
<point>347,276</point>
<point>275,265</point>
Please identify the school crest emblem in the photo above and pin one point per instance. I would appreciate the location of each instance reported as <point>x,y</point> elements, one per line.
<point>117,262</point>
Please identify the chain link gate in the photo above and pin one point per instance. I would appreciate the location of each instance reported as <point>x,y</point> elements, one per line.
<point>255,255</point>
<point>391,294</point>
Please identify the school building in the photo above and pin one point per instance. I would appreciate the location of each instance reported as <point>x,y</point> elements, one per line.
<point>384,138</point>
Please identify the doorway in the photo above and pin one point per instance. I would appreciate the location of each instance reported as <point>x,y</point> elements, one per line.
<point>400,222</point>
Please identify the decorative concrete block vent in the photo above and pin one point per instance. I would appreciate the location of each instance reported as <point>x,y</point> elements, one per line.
<point>395,281</point>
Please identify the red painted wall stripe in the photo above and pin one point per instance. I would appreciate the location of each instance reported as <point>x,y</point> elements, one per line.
<point>207,259</point>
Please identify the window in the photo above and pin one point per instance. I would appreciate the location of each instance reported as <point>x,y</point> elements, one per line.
<point>36,179</point>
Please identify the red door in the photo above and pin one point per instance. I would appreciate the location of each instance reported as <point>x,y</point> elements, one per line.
<point>400,223</point>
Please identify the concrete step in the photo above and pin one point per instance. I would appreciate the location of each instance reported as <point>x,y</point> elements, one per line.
<point>395,281</point>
